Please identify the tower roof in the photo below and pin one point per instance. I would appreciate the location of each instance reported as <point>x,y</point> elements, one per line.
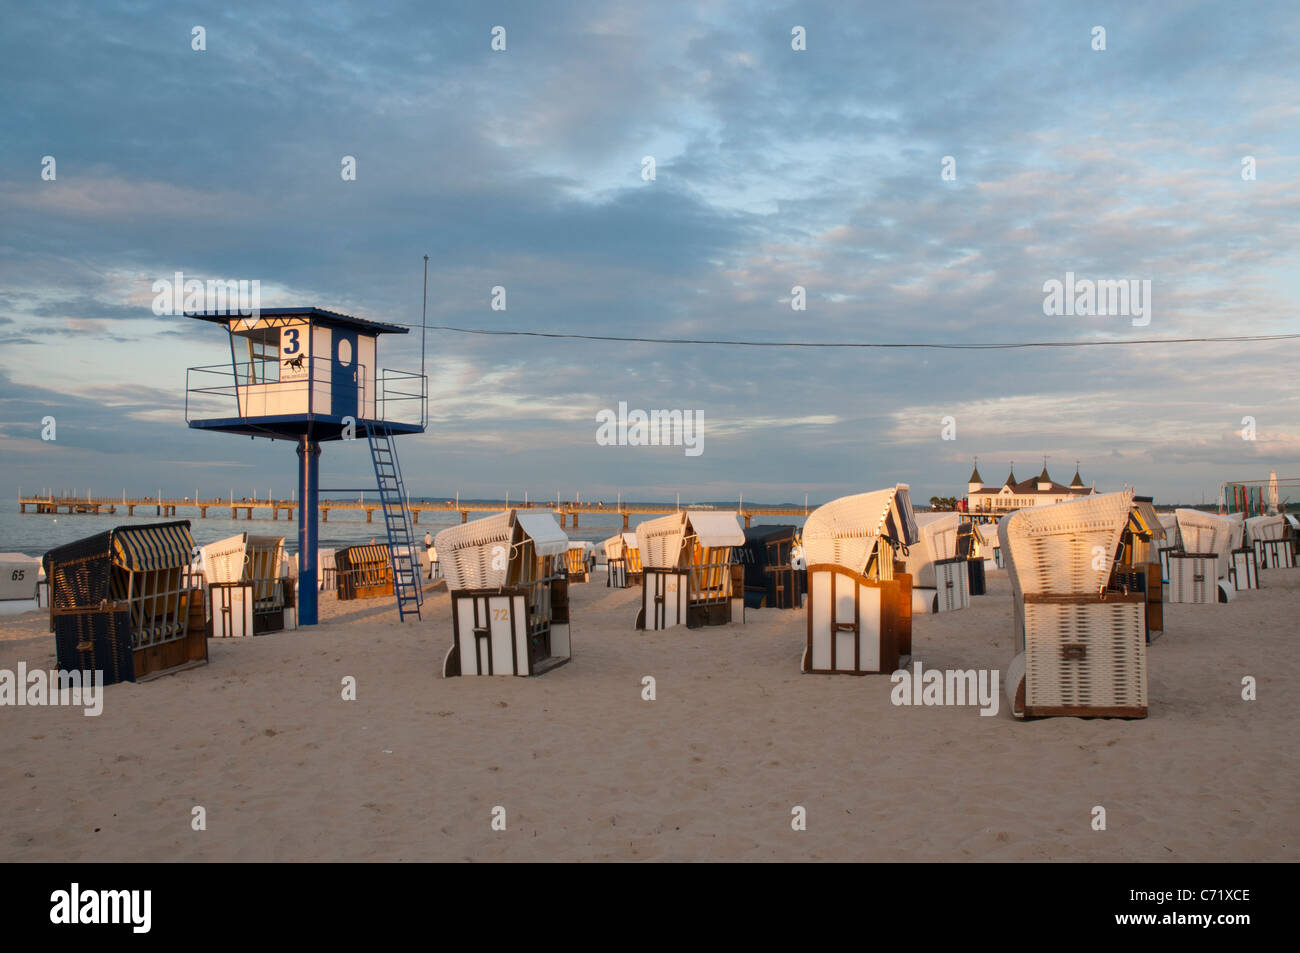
<point>1011,477</point>
<point>316,315</point>
<point>1076,482</point>
<point>1043,477</point>
<point>975,476</point>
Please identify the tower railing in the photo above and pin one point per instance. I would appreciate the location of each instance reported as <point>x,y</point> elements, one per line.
<point>220,390</point>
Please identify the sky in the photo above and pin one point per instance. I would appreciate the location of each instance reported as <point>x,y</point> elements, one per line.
<point>773,168</point>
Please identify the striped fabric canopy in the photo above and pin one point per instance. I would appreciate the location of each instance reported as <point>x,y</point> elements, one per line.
<point>150,548</point>
<point>355,556</point>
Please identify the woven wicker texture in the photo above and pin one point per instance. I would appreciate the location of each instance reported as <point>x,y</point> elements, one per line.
<point>845,532</point>
<point>465,552</point>
<point>614,547</point>
<point>661,541</point>
<point>223,561</point>
<point>938,540</point>
<point>1265,527</point>
<point>486,553</point>
<point>1193,578</point>
<point>1110,637</point>
<point>1202,532</point>
<point>1054,549</point>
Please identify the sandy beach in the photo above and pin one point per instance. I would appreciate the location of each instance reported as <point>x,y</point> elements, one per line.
<point>587,771</point>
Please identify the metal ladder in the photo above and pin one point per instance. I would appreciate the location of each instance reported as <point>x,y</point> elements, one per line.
<point>397,522</point>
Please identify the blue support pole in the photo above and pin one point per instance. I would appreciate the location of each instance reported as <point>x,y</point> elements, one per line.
<point>308,492</point>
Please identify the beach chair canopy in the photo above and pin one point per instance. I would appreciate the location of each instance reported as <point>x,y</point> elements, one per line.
<point>988,536</point>
<point>98,569</point>
<point>937,533</point>
<point>614,547</point>
<point>223,561</point>
<point>470,555</point>
<point>548,539</point>
<point>847,531</point>
<point>1148,521</point>
<point>660,541</point>
<point>1054,549</point>
<point>1170,523</point>
<point>713,529</point>
<point>663,542</point>
<point>629,541</point>
<point>1265,527</point>
<point>936,539</point>
<point>152,548</point>
<point>1236,530</point>
<point>1294,523</point>
<point>1203,532</point>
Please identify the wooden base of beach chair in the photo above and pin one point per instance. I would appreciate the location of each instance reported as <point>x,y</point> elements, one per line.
<point>170,657</point>
<point>171,670</point>
<point>1193,577</point>
<point>856,625</point>
<point>1085,656</point>
<point>1275,554</point>
<point>713,613</point>
<point>1243,568</point>
<point>616,574</point>
<point>230,611</point>
<point>663,599</point>
<point>492,637</point>
<point>1155,593</point>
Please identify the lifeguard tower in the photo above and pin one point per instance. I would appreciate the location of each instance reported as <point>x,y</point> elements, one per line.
<point>308,375</point>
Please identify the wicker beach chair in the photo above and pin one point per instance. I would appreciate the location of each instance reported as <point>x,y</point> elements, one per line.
<point>616,570</point>
<point>1199,571</point>
<point>688,573</point>
<point>1267,536</point>
<point>1139,567</point>
<point>771,580</point>
<point>577,560</point>
<point>940,575</point>
<point>127,602</point>
<point>509,595</point>
<point>859,605</point>
<point>363,572</point>
<point>1080,644</point>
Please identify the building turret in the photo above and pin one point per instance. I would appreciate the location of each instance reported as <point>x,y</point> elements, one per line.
<point>1044,481</point>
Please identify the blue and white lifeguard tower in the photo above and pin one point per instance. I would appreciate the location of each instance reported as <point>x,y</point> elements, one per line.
<point>310,376</point>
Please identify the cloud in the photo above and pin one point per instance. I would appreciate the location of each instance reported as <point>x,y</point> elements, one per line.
<point>774,169</point>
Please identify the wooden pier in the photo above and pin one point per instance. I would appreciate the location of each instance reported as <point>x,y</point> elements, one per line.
<point>168,507</point>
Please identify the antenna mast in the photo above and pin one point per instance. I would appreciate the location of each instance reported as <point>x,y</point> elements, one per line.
<point>424,307</point>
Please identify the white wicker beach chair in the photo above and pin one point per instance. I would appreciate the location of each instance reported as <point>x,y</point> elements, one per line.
<point>1081,648</point>
<point>686,559</point>
<point>940,578</point>
<point>229,595</point>
<point>616,575</point>
<point>1206,541</point>
<point>1267,536</point>
<point>859,611</point>
<point>509,597</point>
